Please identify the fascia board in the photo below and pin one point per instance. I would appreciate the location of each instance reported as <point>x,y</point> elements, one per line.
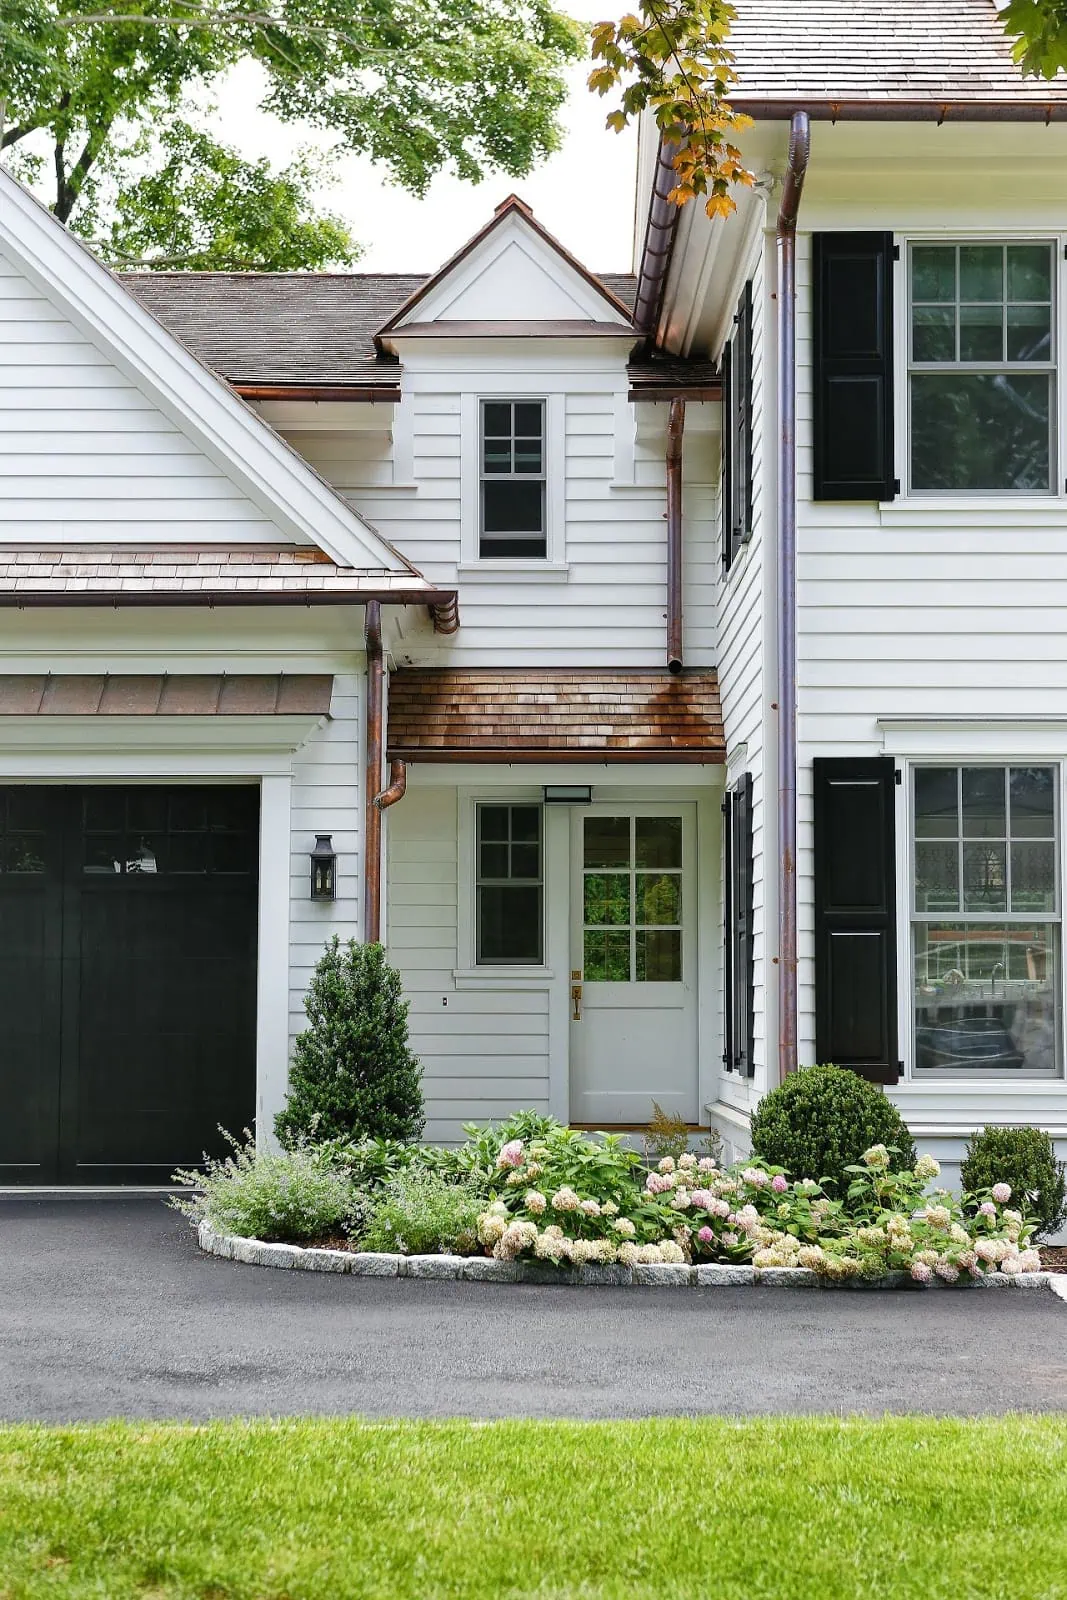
<point>193,397</point>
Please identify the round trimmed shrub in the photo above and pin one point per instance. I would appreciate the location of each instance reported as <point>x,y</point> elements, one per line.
<point>821,1120</point>
<point>1026,1159</point>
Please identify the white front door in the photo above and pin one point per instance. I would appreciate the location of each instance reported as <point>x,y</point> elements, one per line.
<point>633,1037</point>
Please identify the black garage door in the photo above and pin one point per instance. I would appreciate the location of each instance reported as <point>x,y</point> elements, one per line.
<point>127,979</point>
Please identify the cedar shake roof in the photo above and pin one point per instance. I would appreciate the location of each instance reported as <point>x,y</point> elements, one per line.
<point>291,328</point>
<point>557,714</point>
<point>205,574</point>
<point>165,695</point>
<point>662,377</point>
<point>867,56</point>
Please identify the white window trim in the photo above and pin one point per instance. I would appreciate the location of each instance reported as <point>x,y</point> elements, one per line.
<point>555,480</point>
<point>1000,753</point>
<point>468,973</point>
<point>920,503</point>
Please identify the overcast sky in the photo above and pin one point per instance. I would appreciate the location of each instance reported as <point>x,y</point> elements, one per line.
<point>584,194</point>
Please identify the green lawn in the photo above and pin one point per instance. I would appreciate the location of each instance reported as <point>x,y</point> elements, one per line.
<point>797,1509</point>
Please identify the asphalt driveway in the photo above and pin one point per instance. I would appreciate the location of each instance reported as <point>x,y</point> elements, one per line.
<point>108,1309</point>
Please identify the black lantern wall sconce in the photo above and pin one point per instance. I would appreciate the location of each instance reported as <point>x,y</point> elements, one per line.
<point>323,868</point>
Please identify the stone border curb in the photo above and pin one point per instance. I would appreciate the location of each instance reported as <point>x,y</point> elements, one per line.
<point>482,1269</point>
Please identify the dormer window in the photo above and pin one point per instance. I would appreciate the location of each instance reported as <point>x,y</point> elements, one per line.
<point>512,472</point>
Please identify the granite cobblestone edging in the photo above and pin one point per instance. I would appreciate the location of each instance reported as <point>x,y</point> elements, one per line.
<point>483,1269</point>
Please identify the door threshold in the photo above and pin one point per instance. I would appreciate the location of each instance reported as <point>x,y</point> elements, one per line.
<point>633,1127</point>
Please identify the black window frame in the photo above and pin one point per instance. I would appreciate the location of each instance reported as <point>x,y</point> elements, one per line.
<point>737,433</point>
<point>509,880</point>
<point>740,973</point>
<point>501,545</point>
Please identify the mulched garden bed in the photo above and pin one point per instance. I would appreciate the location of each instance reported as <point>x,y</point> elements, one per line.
<point>1053,1257</point>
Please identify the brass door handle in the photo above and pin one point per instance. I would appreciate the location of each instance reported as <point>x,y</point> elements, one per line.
<point>576,1002</point>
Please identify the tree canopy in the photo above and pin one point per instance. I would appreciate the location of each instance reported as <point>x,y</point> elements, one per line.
<point>105,109</point>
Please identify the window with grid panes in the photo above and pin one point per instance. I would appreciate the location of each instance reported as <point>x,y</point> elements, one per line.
<point>509,886</point>
<point>986,920</point>
<point>982,370</point>
<point>512,479</point>
<point>632,899</point>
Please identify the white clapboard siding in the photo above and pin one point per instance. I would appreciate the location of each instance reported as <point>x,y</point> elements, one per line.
<point>608,608</point>
<point>85,456</point>
<point>743,667</point>
<point>484,1052</point>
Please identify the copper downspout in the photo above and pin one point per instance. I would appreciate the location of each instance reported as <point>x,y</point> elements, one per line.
<point>799,150</point>
<point>675,429</point>
<point>398,786</point>
<point>372,859</point>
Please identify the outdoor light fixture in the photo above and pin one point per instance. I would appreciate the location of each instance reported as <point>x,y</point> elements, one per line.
<point>567,794</point>
<point>323,868</point>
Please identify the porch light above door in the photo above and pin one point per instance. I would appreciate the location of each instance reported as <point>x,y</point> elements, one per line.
<point>323,868</point>
<point>567,794</point>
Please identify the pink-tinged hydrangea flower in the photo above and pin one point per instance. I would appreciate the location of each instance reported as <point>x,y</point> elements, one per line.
<point>682,1200</point>
<point>706,1235</point>
<point>1001,1193</point>
<point>1012,1265</point>
<point>720,1208</point>
<point>921,1272</point>
<point>511,1154</point>
<point>1030,1261</point>
<point>565,1199</point>
<point>687,1160</point>
<point>756,1177</point>
<point>706,1164</point>
<point>748,1218</point>
<point>987,1209</point>
<point>703,1199</point>
<point>779,1184</point>
<point>667,1164</point>
<point>939,1217</point>
<point>535,1201</point>
<point>730,1239</point>
<point>590,1207</point>
<point>655,1184</point>
<point>947,1272</point>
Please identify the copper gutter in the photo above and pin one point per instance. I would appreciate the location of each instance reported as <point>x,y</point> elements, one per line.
<point>675,430</point>
<point>660,231</point>
<point>390,393</point>
<point>444,601</point>
<point>884,110</point>
<point>786,233</point>
<point>372,820</point>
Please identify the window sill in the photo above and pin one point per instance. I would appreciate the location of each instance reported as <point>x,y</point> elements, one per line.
<point>492,571</point>
<point>916,508</point>
<point>502,977</point>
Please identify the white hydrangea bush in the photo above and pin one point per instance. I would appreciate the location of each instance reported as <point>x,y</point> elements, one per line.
<point>690,1209</point>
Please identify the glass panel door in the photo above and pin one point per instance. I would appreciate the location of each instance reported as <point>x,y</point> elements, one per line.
<point>632,899</point>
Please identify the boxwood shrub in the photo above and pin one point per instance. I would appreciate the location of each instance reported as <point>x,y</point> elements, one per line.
<point>821,1120</point>
<point>1025,1159</point>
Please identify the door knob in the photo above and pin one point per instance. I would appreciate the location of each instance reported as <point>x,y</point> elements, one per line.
<point>576,1002</point>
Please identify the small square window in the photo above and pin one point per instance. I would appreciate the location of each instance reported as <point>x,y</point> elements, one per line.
<point>512,494</point>
<point>509,886</point>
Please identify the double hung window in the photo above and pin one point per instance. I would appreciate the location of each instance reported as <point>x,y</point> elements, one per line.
<point>982,372</point>
<point>986,920</point>
<point>509,885</point>
<point>512,480</point>
<point>737,434</point>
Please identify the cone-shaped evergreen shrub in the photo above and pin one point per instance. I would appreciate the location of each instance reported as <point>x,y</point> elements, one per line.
<point>821,1120</point>
<point>353,1075</point>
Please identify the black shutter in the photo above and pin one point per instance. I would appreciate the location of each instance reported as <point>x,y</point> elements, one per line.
<point>740,976</point>
<point>852,310</point>
<point>737,433</point>
<point>855,916</point>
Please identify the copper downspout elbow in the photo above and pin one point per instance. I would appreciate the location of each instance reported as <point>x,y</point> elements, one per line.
<point>372,817</point>
<point>398,786</point>
<point>675,430</point>
<point>799,151</point>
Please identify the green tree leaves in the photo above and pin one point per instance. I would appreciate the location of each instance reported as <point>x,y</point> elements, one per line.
<point>107,96</point>
<point>1039,29</point>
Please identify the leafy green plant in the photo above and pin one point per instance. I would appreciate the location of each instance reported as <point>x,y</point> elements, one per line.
<point>1025,1160</point>
<point>820,1121</point>
<point>285,1196</point>
<point>419,1213</point>
<point>353,1075</point>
